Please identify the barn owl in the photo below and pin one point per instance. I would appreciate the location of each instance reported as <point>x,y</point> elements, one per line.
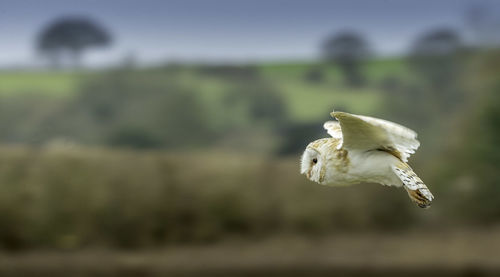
<point>365,149</point>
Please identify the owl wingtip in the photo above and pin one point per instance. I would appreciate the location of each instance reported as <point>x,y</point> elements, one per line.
<point>332,113</point>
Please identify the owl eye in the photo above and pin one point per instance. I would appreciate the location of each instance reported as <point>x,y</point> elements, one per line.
<point>315,161</point>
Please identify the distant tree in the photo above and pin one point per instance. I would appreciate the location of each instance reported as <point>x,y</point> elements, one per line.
<point>483,23</point>
<point>348,50</point>
<point>434,56</point>
<point>71,36</point>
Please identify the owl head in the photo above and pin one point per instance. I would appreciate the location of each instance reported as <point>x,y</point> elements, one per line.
<point>312,164</point>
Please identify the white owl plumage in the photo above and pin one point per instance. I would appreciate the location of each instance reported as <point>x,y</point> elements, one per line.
<point>365,149</point>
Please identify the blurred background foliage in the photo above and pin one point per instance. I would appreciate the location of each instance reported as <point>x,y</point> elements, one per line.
<point>226,143</point>
<point>140,157</point>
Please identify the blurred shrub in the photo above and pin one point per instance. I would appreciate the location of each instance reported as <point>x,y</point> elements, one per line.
<point>137,110</point>
<point>173,107</point>
<point>298,136</point>
<point>229,72</point>
<point>69,197</point>
<point>29,118</point>
<point>472,171</point>
<point>261,103</point>
<point>314,75</point>
<point>409,103</point>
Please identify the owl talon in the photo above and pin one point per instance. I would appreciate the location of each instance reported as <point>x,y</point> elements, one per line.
<point>423,206</point>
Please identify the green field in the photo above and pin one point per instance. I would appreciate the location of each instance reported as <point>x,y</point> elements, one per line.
<point>46,83</point>
<point>305,101</point>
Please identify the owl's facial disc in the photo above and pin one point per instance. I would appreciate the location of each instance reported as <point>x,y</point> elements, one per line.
<point>311,164</point>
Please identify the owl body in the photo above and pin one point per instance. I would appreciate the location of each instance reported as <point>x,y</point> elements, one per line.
<point>365,149</point>
<point>343,167</point>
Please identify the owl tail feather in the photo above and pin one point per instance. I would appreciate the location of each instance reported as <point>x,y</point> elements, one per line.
<point>417,190</point>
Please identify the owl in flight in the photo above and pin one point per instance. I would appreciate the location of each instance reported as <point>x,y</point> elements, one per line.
<point>365,149</point>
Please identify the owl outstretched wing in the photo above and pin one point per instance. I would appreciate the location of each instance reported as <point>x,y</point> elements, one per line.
<point>367,133</point>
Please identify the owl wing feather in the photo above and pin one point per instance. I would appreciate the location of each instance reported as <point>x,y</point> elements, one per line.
<point>367,133</point>
<point>333,129</point>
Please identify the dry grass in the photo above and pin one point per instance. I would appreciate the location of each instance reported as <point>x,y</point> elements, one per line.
<point>70,197</point>
<point>416,253</point>
<point>68,210</point>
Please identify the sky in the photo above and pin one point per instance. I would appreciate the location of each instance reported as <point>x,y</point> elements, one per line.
<point>227,30</point>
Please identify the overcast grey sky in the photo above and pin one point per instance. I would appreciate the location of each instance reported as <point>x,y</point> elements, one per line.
<point>228,30</point>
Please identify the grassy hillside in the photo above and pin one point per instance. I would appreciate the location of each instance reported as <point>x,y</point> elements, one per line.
<point>46,83</point>
<point>305,100</point>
